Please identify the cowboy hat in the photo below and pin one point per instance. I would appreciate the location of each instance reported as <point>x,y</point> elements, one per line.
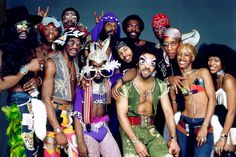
<point>20,13</point>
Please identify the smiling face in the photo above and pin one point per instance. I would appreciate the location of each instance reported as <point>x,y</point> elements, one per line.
<point>133,30</point>
<point>72,46</point>
<point>147,64</point>
<point>111,28</point>
<point>22,29</point>
<point>126,54</point>
<point>186,55</point>
<point>214,64</point>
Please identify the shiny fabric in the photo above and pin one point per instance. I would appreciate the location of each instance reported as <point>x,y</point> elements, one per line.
<point>129,90</point>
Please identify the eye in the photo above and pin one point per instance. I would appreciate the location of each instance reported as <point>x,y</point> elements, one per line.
<point>141,61</point>
<point>153,63</point>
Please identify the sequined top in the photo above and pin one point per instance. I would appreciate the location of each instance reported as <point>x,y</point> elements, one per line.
<point>130,91</point>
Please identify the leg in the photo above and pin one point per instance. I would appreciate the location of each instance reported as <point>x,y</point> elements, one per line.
<point>92,145</point>
<point>206,149</point>
<point>109,147</point>
<point>182,141</point>
<point>50,148</point>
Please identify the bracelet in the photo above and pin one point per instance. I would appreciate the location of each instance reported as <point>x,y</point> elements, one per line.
<point>40,81</point>
<point>24,69</point>
<point>57,130</point>
<point>223,136</point>
<point>134,141</point>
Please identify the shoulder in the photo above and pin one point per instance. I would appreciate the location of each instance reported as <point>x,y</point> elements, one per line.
<point>229,81</point>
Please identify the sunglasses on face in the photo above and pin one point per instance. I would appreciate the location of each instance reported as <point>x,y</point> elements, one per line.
<point>22,24</point>
<point>92,72</point>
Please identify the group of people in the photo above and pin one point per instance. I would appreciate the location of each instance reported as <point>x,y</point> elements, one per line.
<point>80,93</point>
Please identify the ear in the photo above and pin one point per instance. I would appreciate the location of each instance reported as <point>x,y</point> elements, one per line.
<point>106,44</point>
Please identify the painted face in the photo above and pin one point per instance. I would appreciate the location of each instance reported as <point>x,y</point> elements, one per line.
<point>126,54</point>
<point>159,32</point>
<point>72,46</point>
<point>111,28</point>
<point>170,46</point>
<point>97,71</point>
<point>133,29</point>
<point>214,64</point>
<point>147,63</point>
<point>50,32</point>
<point>184,58</point>
<point>22,28</point>
<point>69,19</point>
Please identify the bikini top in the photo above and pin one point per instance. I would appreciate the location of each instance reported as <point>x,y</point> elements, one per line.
<point>196,87</point>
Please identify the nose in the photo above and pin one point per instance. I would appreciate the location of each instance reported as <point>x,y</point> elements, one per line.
<point>169,47</point>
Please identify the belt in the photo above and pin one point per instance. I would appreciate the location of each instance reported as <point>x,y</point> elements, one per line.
<point>60,106</point>
<point>135,120</point>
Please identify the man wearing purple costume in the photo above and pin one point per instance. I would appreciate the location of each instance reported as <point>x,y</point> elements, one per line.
<point>91,103</point>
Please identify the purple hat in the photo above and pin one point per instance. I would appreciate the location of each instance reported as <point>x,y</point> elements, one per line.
<point>108,17</point>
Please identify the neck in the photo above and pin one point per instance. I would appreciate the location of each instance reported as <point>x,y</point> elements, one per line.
<point>219,73</point>
<point>186,72</point>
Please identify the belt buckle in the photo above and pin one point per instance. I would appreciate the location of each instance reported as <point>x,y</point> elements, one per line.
<point>145,121</point>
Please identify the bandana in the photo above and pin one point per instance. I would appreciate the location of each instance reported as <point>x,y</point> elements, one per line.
<point>172,33</point>
<point>47,20</point>
<point>120,45</point>
<point>70,33</point>
<point>108,17</point>
<point>160,20</point>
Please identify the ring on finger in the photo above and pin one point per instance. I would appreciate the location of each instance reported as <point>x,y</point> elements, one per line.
<point>202,139</point>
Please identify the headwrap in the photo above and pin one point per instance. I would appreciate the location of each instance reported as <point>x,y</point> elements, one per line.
<point>120,44</point>
<point>160,20</point>
<point>70,33</point>
<point>192,37</point>
<point>172,33</point>
<point>47,20</point>
<point>108,17</point>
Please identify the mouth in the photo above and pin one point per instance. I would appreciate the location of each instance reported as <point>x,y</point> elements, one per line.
<point>23,35</point>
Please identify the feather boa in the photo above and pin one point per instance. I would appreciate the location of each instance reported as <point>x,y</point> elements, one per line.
<point>13,132</point>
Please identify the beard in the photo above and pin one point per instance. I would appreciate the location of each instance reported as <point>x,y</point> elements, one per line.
<point>105,34</point>
<point>132,38</point>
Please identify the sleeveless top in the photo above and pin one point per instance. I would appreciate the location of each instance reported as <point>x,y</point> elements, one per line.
<point>130,91</point>
<point>221,105</point>
<point>62,86</point>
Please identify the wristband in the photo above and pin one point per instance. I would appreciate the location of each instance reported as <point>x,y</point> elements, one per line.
<point>173,138</point>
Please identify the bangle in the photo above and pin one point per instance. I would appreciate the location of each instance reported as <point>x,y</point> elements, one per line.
<point>57,130</point>
<point>134,140</point>
<point>40,81</point>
